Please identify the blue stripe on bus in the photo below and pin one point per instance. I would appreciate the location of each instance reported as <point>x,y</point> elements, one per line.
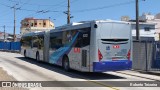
<point>57,56</point>
<point>112,65</point>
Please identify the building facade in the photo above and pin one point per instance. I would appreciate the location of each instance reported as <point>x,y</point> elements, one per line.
<point>33,24</point>
<point>146,31</point>
<point>3,36</point>
<point>153,19</point>
<point>149,26</point>
<point>7,37</point>
<point>147,16</point>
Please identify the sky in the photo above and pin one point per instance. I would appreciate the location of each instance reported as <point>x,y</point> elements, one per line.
<point>81,10</point>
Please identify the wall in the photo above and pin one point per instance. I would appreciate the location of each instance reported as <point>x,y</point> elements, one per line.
<point>146,56</point>
<point>10,46</point>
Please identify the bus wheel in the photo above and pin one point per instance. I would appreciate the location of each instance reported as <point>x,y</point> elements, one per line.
<point>25,53</point>
<point>66,63</point>
<point>37,56</point>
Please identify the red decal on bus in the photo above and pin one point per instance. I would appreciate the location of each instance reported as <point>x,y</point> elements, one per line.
<point>78,50</point>
<point>75,50</point>
<point>116,46</point>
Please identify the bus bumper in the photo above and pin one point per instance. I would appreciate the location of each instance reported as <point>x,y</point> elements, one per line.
<point>112,65</point>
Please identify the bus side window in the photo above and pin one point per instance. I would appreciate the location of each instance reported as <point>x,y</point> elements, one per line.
<point>27,42</point>
<point>79,40</point>
<point>40,41</point>
<point>35,41</point>
<point>83,38</point>
<point>86,39</point>
<point>56,40</point>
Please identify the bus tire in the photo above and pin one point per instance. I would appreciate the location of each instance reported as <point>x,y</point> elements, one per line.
<point>66,63</point>
<point>37,56</point>
<point>25,53</point>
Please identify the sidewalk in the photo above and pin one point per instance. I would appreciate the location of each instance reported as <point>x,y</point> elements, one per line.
<point>5,77</point>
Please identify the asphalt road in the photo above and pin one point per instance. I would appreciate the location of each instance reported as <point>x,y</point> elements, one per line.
<point>25,69</point>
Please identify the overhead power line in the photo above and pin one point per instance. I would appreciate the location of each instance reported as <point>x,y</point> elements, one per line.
<point>9,26</point>
<point>5,5</point>
<point>104,7</point>
<point>25,3</point>
<point>35,4</point>
<point>19,8</point>
<point>59,5</point>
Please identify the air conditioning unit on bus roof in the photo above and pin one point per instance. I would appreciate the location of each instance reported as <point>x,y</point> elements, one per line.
<point>76,23</point>
<point>67,25</point>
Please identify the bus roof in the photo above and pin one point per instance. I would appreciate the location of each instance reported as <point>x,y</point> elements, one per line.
<point>71,27</point>
<point>84,24</point>
<point>33,33</point>
<point>111,21</point>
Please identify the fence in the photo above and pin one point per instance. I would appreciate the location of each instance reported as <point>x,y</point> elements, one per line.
<point>146,56</point>
<point>10,46</point>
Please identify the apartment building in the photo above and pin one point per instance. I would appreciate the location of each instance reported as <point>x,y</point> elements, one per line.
<point>33,24</point>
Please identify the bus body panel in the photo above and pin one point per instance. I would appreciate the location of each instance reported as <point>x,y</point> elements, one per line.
<point>112,66</point>
<point>75,44</point>
<point>46,46</point>
<point>114,47</point>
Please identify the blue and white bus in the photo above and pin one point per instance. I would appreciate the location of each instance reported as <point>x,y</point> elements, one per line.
<point>91,46</point>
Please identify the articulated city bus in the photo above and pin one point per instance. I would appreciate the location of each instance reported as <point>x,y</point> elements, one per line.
<point>91,46</point>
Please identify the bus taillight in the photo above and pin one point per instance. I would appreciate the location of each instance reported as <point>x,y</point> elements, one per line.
<point>99,55</point>
<point>129,54</point>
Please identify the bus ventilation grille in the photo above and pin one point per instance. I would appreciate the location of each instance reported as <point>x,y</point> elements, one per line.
<point>84,58</point>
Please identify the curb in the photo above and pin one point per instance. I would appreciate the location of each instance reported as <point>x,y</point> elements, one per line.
<point>11,51</point>
<point>154,72</point>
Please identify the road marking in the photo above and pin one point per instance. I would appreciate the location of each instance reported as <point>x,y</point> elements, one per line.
<point>138,76</point>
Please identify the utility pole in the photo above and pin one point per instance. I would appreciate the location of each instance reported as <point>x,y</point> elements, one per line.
<point>159,36</point>
<point>137,19</point>
<point>14,36</point>
<point>49,22</point>
<point>68,12</point>
<point>4,32</point>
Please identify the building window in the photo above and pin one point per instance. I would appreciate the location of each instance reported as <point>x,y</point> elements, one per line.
<point>39,23</point>
<point>27,24</point>
<point>44,24</point>
<point>35,23</point>
<point>147,29</point>
<point>31,24</point>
